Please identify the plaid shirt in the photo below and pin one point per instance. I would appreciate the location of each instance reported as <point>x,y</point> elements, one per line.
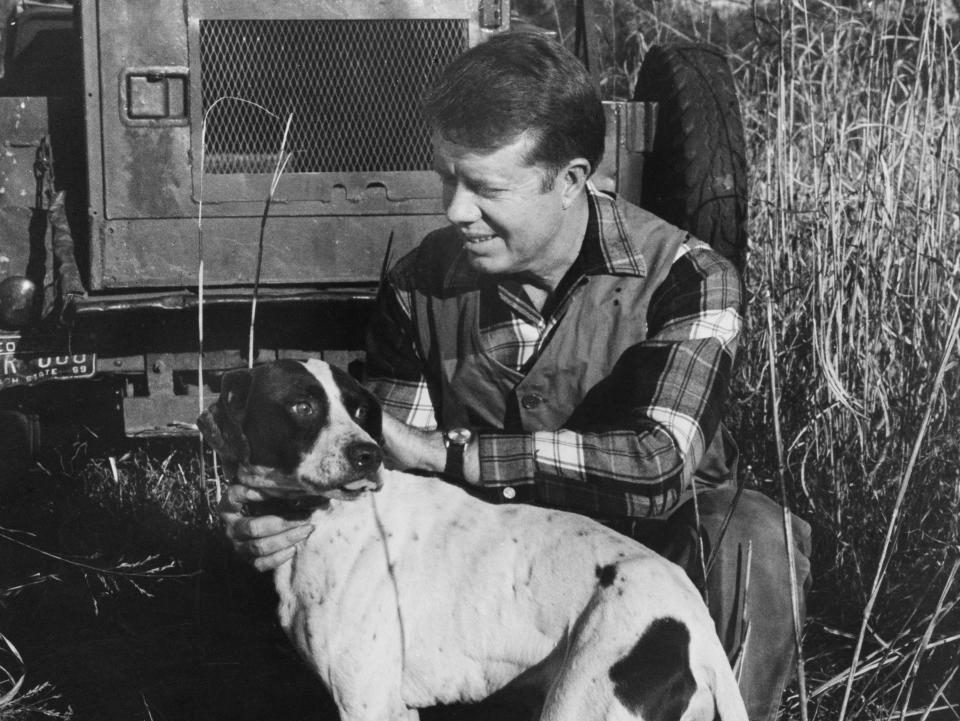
<point>643,467</point>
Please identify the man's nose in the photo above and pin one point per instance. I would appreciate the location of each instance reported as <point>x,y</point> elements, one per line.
<point>461,206</point>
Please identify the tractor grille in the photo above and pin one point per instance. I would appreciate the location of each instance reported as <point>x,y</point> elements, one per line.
<point>353,87</point>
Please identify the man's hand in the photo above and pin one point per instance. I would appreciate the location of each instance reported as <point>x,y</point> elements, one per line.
<point>268,541</point>
<point>407,447</point>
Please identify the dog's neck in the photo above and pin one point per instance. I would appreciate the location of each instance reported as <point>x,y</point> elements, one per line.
<point>288,508</point>
<point>301,507</point>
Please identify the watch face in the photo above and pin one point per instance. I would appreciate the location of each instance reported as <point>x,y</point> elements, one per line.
<point>459,436</point>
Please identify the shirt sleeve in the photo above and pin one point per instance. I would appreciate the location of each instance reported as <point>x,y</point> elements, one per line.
<point>634,443</point>
<point>395,371</point>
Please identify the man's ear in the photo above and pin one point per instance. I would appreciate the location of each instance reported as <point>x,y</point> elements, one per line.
<point>222,424</point>
<point>574,178</point>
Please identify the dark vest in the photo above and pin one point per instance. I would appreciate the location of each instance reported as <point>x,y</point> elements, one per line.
<point>606,314</point>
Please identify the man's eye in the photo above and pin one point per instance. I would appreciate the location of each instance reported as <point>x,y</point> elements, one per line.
<point>302,408</point>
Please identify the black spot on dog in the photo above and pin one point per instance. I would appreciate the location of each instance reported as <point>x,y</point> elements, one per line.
<point>607,574</point>
<point>654,680</point>
<point>361,404</point>
<point>262,402</point>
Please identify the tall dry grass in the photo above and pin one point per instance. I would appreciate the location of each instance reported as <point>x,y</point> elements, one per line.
<point>852,117</point>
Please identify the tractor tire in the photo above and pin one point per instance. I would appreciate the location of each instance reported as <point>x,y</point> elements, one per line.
<point>696,175</point>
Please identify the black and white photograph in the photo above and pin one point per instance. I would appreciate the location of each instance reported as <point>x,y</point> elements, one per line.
<point>479,360</point>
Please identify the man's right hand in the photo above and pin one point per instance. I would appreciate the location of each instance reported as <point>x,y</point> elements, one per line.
<point>267,541</point>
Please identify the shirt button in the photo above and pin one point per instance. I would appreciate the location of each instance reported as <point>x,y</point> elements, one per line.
<point>509,493</point>
<point>531,401</point>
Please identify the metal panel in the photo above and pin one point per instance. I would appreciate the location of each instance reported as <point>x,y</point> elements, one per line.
<point>630,127</point>
<point>351,89</point>
<point>152,170</point>
<point>353,111</point>
<point>298,250</point>
<point>144,170</point>
<point>90,28</point>
<point>23,122</point>
<point>371,49</point>
<point>147,165</point>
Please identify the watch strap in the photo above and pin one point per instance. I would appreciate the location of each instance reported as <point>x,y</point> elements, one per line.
<point>456,440</point>
<point>454,463</point>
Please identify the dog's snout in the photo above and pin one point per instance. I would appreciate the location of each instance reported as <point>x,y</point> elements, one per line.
<point>364,456</point>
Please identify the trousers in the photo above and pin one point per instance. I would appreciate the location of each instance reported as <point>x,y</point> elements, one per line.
<point>750,605</point>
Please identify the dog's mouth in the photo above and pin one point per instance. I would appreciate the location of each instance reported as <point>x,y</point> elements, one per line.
<point>355,489</point>
<point>301,505</point>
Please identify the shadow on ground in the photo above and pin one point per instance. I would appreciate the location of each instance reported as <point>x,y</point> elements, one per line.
<point>200,644</point>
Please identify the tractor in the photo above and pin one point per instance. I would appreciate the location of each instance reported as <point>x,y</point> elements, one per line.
<point>171,166</point>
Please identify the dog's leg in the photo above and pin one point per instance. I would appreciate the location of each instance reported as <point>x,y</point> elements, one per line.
<point>670,668</point>
<point>375,709</point>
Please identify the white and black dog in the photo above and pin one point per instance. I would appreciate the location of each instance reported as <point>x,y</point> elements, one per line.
<point>411,593</point>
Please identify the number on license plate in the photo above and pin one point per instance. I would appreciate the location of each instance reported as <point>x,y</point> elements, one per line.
<point>23,367</point>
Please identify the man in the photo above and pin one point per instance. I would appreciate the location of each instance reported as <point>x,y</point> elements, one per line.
<point>556,345</point>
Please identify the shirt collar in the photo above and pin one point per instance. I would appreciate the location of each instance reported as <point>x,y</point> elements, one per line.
<point>607,248</point>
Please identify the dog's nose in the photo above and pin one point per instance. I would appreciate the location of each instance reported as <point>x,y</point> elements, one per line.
<point>364,456</point>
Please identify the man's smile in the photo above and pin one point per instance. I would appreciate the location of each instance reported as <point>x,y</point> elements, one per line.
<point>477,239</point>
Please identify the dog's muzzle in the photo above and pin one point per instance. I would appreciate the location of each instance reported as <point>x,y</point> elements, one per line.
<point>300,507</point>
<point>353,489</point>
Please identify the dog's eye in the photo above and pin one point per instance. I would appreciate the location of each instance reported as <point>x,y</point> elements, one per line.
<point>302,408</point>
<point>360,414</point>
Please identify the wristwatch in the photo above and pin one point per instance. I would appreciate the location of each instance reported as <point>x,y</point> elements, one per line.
<point>456,440</point>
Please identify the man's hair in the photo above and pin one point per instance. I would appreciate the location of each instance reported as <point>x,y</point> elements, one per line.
<point>514,83</point>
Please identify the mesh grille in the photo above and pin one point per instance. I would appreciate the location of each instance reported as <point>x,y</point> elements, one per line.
<point>353,87</point>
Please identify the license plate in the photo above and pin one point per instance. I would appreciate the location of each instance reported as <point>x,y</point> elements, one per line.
<point>34,360</point>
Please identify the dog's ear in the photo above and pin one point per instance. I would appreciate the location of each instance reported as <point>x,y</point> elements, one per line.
<point>222,423</point>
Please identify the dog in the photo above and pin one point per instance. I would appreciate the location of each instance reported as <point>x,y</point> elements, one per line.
<point>412,593</point>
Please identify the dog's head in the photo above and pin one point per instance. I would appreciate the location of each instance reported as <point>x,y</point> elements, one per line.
<point>304,429</point>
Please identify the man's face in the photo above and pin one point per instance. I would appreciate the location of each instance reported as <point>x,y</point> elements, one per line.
<point>508,222</point>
